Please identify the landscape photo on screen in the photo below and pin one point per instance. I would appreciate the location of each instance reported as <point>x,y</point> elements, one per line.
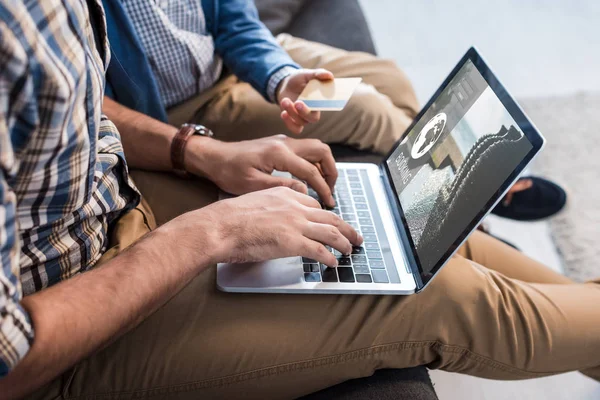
<point>453,161</point>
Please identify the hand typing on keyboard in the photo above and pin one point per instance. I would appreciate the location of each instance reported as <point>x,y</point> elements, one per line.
<point>244,167</point>
<point>277,223</point>
<point>365,263</point>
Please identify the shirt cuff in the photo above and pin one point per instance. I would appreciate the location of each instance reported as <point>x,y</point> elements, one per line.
<point>16,335</point>
<point>276,79</point>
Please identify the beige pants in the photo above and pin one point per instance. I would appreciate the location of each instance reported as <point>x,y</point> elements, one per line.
<point>380,110</point>
<point>491,312</point>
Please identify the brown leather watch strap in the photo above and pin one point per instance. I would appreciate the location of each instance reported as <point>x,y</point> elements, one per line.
<point>178,148</point>
<point>180,142</point>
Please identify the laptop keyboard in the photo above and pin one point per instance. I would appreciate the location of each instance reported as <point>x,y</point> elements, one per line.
<point>366,264</point>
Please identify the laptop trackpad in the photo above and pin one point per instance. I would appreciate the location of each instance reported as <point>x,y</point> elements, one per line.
<point>273,273</point>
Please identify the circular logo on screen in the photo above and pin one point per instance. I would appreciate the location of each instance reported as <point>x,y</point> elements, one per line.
<point>430,134</point>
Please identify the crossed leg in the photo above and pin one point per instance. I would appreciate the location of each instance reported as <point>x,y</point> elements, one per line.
<point>471,319</point>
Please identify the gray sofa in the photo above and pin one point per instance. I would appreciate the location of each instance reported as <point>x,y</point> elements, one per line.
<point>341,23</point>
<point>338,23</point>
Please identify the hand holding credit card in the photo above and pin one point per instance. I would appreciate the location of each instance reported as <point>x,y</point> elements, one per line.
<point>332,95</point>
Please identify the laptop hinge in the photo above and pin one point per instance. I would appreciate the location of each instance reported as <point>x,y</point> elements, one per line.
<point>401,229</point>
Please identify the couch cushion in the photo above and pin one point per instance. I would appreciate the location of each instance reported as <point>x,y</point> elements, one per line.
<point>385,384</point>
<point>338,23</point>
<point>277,15</point>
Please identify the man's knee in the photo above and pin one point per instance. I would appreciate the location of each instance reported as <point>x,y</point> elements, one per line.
<point>473,308</point>
<point>378,124</point>
<point>482,314</point>
<point>454,291</point>
<point>397,86</point>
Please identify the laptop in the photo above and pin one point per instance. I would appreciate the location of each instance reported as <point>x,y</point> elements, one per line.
<point>457,160</point>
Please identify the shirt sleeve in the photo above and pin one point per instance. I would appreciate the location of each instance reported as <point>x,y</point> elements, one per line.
<point>248,48</point>
<point>16,331</point>
<point>276,79</point>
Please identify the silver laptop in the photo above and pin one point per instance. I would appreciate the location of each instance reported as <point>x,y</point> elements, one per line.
<point>453,164</point>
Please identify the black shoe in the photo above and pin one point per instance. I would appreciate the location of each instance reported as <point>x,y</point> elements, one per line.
<point>542,200</point>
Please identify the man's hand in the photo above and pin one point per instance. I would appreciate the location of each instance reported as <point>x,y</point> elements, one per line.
<point>277,223</point>
<point>244,167</point>
<point>295,113</point>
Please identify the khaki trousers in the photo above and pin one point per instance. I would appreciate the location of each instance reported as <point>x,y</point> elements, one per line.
<point>380,110</point>
<point>491,312</point>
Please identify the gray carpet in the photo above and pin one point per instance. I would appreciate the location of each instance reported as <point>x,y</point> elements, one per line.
<point>572,158</point>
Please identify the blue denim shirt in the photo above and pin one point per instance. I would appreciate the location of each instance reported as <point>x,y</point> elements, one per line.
<point>241,39</point>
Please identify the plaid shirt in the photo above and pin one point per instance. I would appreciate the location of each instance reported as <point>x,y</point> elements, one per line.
<point>63,177</point>
<point>180,51</point>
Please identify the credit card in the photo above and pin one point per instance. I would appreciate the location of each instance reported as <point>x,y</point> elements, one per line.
<point>330,95</point>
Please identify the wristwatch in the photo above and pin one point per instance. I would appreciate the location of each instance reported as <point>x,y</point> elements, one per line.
<point>180,141</point>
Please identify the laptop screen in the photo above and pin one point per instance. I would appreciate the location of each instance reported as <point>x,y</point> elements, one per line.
<point>452,162</point>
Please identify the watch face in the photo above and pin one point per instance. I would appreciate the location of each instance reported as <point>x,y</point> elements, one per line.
<point>199,129</point>
<point>194,126</point>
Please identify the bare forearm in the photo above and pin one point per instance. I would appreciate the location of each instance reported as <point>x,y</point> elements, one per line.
<point>82,315</point>
<point>147,141</point>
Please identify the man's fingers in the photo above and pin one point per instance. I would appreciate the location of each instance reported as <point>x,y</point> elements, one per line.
<point>290,124</point>
<point>309,173</point>
<point>327,163</point>
<point>292,115</point>
<point>328,235</point>
<point>323,74</point>
<point>317,251</point>
<point>290,107</point>
<point>266,181</point>
<point>290,162</point>
<point>305,113</point>
<point>329,218</point>
<point>316,151</point>
<point>305,200</point>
